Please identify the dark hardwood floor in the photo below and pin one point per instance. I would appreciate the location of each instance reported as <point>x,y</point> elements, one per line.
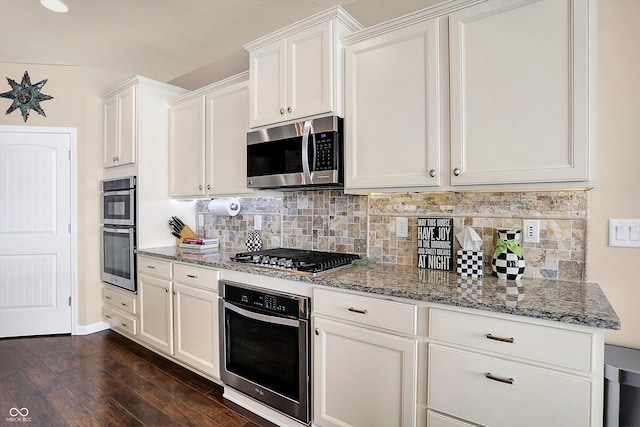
<point>104,379</point>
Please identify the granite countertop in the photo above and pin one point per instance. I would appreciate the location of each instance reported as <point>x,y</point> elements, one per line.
<point>563,301</point>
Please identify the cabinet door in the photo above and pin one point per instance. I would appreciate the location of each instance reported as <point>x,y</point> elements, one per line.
<point>363,378</point>
<point>128,126</point>
<point>156,312</point>
<point>187,148</point>
<point>110,132</point>
<point>268,76</point>
<point>310,76</point>
<point>393,109</point>
<point>226,150</point>
<point>196,328</point>
<point>519,92</point>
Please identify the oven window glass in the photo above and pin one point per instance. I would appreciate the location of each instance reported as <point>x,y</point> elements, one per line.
<point>117,249</point>
<point>264,353</point>
<point>117,206</point>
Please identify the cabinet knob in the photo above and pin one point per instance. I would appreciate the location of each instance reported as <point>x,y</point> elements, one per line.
<point>117,158</point>
<point>175,293</point>
<point>288,109</point>
<point>199,187</point>
<point>432,173</point>
<point>208,186</point>
<point>317,331</point>
<point>456,171</point>
<point>282,111</point>
<point>166,290</point>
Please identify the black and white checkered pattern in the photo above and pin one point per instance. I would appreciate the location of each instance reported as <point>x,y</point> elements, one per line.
<point>254,241</point>
<point>469,289</point>
<point>507,265</point>
<point>470,263</point>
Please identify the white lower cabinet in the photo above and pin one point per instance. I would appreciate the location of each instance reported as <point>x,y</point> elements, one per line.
<point>179,313</point>
<point>362,377</point>
<point>496,370</point>
<point>120,310</point>
<point>195,323</point>
<point>156,312</point>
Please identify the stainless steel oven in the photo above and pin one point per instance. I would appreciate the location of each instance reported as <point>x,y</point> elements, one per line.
<point>119,201</point>
<point>265,347</point>
<point>119,232</point>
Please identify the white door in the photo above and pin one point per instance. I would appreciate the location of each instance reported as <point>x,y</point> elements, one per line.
<point>35,239</point>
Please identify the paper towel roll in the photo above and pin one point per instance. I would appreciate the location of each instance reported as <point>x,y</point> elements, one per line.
<point>226,206</point>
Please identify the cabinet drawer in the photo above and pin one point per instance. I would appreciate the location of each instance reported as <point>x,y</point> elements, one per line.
<point>561,347</point>
<point>392,315</point>
<point>154,267</point>
<point>119,301</point>
<point>120,321</point>
<point>438,420</point>
<point>201,277</point>
<point>497,393</point>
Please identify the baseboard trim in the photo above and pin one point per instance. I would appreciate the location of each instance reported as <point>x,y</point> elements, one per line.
<point>90,329</point>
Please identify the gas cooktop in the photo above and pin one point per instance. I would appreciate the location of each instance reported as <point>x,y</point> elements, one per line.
<point>296,260</point>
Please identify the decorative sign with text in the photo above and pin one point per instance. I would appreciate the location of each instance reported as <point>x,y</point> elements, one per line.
<point>435,243</point>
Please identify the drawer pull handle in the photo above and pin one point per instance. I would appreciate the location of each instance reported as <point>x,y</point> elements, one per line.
<point>356,310</point>
<point>108,316</point>
<point>124,324</point>
<point>488,376</point>
<point>493,337</point>
<point>151,267</point>
<point>192,276</point>
<point>108,297</point>
<point>124,304</point>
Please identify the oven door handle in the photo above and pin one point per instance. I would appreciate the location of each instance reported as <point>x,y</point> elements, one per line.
<point>262,317</point>
<point>120,230</point>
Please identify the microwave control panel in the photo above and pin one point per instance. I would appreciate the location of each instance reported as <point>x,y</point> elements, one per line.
<point>325,155</point>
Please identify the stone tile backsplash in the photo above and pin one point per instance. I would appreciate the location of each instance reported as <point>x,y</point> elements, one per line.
<point>330,220</point>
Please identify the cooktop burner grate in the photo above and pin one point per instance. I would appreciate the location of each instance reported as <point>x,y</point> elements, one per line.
<point>296,259</point>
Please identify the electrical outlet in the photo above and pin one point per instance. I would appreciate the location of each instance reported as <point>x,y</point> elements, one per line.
<point>402,227</point>
<point>531,231</point>
<point>257,222</point>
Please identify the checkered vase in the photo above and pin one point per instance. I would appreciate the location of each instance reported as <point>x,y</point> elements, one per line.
<point>507,265</point>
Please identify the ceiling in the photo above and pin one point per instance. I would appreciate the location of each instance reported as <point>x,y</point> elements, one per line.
<point>161,39</point>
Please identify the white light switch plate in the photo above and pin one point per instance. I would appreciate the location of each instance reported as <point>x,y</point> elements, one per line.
<point>402,227</point>
<point>624,233</point>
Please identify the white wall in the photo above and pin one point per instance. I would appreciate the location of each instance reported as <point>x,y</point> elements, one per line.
<point>617,192</point>
<point>76,103</point>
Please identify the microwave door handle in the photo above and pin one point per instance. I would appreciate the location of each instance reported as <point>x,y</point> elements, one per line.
<point>306,165</point>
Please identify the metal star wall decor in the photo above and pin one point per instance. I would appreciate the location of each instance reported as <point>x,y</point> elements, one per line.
<point>26,96</point>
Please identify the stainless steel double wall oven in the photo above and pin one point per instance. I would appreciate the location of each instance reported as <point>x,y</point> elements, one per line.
<point>119,232</point>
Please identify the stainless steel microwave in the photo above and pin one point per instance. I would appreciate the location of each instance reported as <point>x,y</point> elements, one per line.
<point>303,154</point>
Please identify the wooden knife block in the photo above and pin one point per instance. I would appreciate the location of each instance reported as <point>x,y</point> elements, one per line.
<point>186,233</point>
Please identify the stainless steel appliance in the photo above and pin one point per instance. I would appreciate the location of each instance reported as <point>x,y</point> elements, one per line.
<point>119,232</point>
<point>119,201</point>
<point>302,154</point>
<point>296,260</point>
<point>265,347</point>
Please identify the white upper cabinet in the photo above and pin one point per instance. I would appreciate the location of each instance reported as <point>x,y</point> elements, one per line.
<point>120,130</point>
<point>208,140</point>
<point>297,72</point>
<point>520,92</point>
<point>392,92</point>
<point>472,95</point>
